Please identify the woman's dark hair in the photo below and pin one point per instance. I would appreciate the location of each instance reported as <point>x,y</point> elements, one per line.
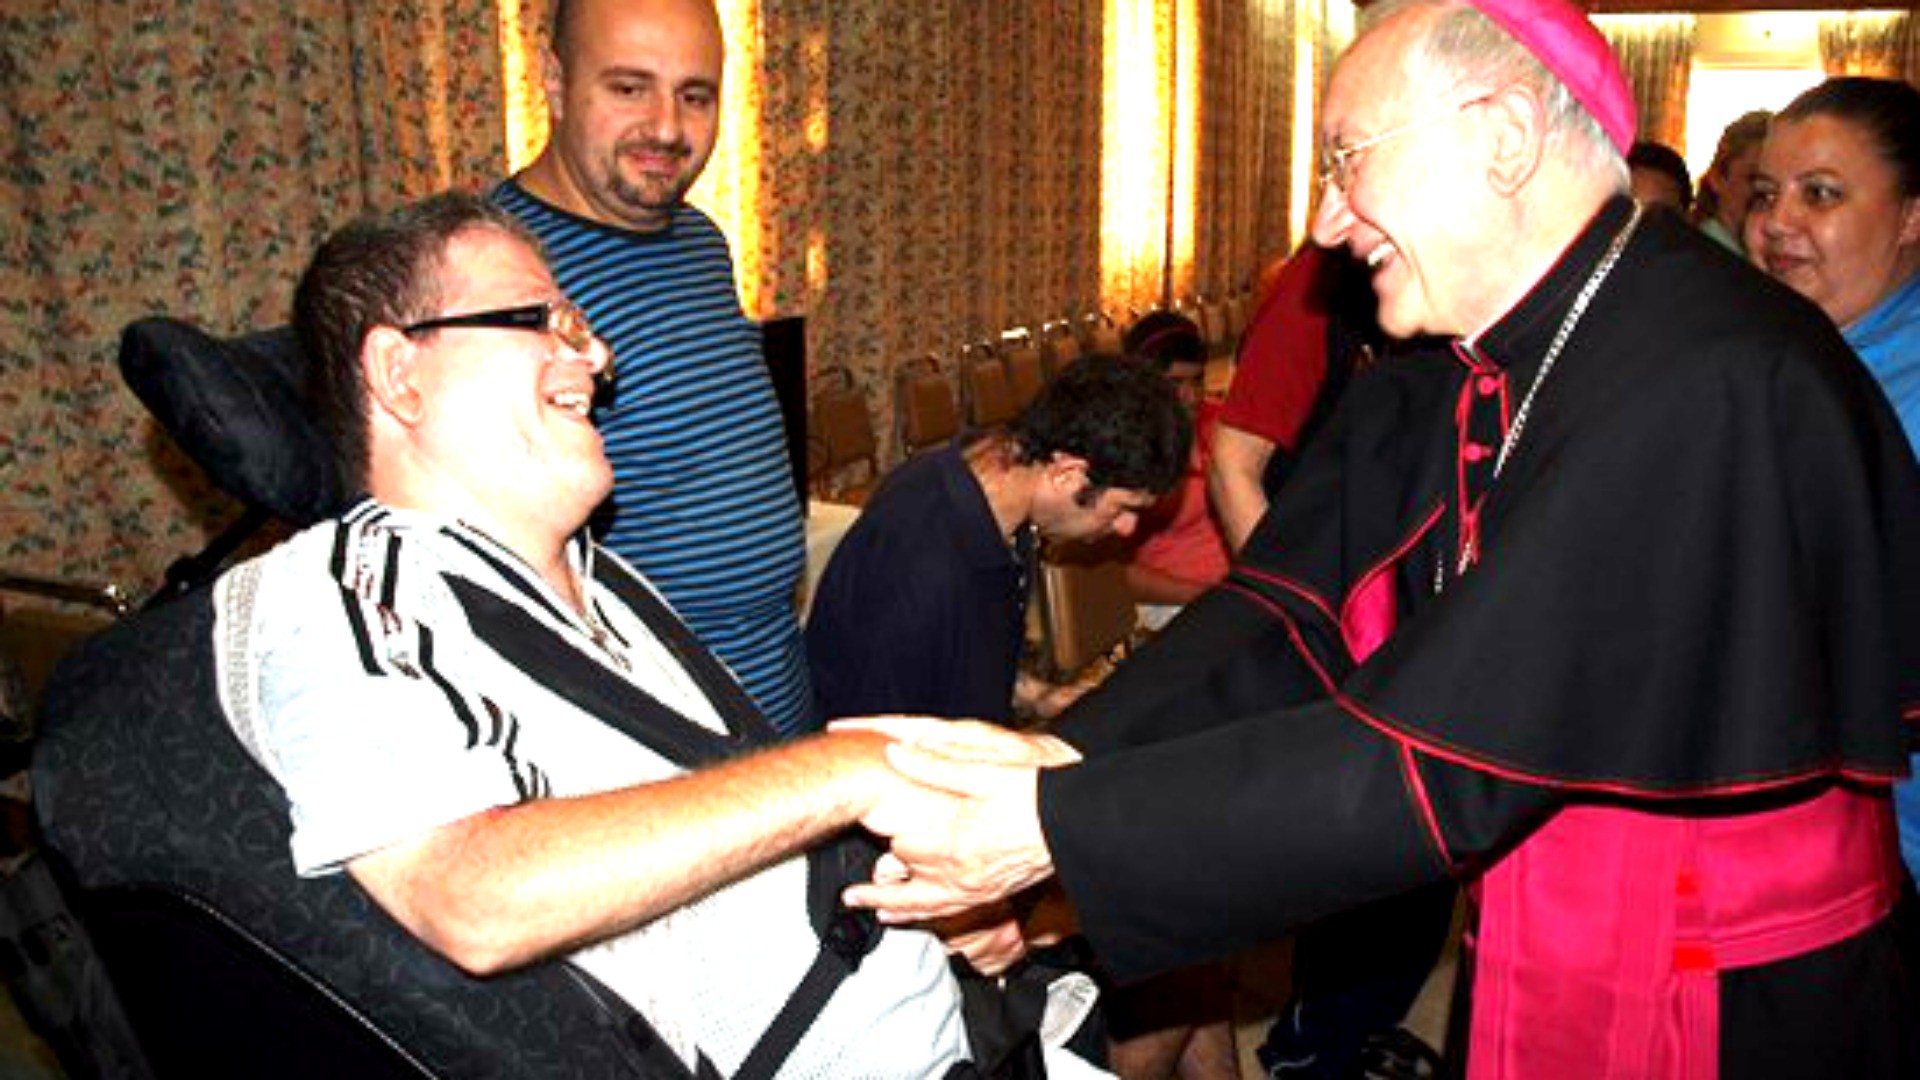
<point>1122,416</point>
<point>1163,339</point>
<point>1664,159</point>
<point>1887,110</point>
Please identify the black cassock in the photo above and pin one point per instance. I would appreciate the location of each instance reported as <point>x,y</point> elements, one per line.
<point>1694,590</point>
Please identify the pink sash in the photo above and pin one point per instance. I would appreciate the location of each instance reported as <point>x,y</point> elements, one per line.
<point>1600,938</point>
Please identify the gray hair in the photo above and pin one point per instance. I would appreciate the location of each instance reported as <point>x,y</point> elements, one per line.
<point>1464,44</point>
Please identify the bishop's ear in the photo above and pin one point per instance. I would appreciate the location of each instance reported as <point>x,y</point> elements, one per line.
<point>1515,121</point>
<point>390,361</point>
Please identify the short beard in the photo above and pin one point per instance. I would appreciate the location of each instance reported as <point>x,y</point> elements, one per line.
<point>634,197</point>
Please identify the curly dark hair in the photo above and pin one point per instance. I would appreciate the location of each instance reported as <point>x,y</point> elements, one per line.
<point>1122,416</point>
<point>383,269</point>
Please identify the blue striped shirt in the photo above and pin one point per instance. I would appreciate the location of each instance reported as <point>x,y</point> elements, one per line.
<point>703,501</point>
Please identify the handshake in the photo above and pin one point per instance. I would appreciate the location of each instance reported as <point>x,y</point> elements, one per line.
<point>960,813</point>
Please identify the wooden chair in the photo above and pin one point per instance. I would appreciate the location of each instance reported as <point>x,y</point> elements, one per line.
<point>984,387</point>
<point>1087,612</point>
<point>1026,367</point>
<point>1058,345</point>
<point>840,435</point>
<point>1099,334</point>
<point>925,414</point>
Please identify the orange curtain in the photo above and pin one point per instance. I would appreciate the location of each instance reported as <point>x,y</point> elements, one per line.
<point>1880,44</point>
<point>1656,52</point>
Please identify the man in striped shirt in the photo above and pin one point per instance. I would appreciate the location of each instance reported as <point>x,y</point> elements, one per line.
<point>703,501</point>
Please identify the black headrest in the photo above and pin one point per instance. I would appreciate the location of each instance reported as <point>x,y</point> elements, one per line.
<point>234,405</point>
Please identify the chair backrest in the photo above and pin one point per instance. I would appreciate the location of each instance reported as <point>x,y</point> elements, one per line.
<point>1059,345</point>
<point>985,387</point>
<point>925,413</point>
<point>841,431</point>
<point>1100,335</point>
<point>1087,611</point>
<point>1026,369</point>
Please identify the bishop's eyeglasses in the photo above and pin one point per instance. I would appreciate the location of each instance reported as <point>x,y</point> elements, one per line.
<point>1338,163</point>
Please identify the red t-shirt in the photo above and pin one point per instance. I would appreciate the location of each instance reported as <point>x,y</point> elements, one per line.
<point>1282,360</point>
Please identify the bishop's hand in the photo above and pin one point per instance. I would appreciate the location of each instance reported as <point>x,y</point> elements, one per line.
<point>969,835</point>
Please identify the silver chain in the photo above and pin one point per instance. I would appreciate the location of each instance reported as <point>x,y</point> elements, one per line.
<point>1560,338</point>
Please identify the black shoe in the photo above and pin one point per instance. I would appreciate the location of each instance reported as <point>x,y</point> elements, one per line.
<point>1398,1055</point>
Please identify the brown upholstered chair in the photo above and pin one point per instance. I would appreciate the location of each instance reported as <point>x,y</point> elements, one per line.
<point>984,387</point>
<point>840,436</point>
<point>1026,368</point>
<point>1100,335</point>
<point>925,414</point>
<point>1059,345</point>
<point>1087,612</point>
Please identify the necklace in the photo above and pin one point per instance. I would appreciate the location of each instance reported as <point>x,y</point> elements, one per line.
<point>1518,428</point>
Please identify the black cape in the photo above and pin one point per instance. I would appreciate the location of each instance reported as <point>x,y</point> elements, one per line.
<point>1698,583</point>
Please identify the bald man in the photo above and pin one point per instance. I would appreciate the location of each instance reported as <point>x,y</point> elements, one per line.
<point>703,500</point>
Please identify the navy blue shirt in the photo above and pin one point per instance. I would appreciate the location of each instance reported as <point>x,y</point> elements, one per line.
<point>922,608</point>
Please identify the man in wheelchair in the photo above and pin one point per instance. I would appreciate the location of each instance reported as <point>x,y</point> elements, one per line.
<point>500,732</point>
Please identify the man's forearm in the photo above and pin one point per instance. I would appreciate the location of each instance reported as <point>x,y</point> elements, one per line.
<point>1235,481</point>
<point>512,885</point>
<point>1150,586</point>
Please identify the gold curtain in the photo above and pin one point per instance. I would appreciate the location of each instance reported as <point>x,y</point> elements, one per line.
<point>1245,137</point>
<point>1882,44</point>
<point>1656,52</point>
<point>923,174</point>
<point>184,159</point>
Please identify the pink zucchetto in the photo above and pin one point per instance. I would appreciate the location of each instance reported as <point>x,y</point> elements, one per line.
<point>1559,35</point>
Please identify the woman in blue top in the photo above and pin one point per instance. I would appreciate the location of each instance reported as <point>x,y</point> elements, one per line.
<point>1836,215</point>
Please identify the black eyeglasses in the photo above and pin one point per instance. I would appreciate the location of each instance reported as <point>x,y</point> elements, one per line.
<point>561,318</point>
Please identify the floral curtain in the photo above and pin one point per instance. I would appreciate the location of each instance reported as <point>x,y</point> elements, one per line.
<point>1883,44</point>
<point>922,177</point>
<point>184,159</point>
<point>912,179</point>
<point>1656,52</point>
<point>1245,135</point>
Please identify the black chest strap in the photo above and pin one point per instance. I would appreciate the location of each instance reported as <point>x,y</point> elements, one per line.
<point>845,935</point>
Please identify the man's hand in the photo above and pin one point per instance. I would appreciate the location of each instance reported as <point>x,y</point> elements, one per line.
<point>971,835</point>
<point>989,939</point>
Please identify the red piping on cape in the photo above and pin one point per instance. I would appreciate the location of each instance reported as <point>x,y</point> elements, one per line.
<point>1423,806</point>
<point>1410,777</point>
<point>1427,744</point>
<point>1381,566</point>
<point>1478,762</point>
<point>1293,633</point>
<point>1319,603</point>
